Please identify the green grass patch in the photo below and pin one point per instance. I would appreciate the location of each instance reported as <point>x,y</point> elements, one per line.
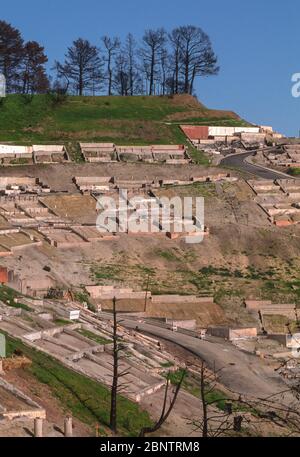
<point>191,384</point>
<point>167,255</point>
<point>92,336</point>
<point>159,281</point>
<point>127,120</point>
<point>8,296</point>
<point>215,397</point>
<point>83,297</point>
<point>61,322</point>
<point>198,156</point>
<point>293,171</point>
<point>85,398</point>
<point>167,364</point>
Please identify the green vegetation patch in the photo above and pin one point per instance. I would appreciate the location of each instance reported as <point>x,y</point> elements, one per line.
<point>8,296</point>
<point>294,171</point>
<point>167,255</point>
<point>135,120</point>
<point>85,398</point>
<point>62,322</point>
<point>213,397</point>
<point>92,336</point>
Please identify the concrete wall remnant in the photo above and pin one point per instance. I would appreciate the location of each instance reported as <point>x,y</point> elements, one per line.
<point>109,152</point>
<point>49,153</point>
<point>22,155</point>
<point>232,334</point>
<point>256,305</point>
<point>15,404</point>
<point>110,292</point>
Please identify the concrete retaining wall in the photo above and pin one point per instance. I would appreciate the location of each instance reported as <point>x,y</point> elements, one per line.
<point>34,410</point>
<point>183,324</point>
<point>11,149</point>
<point>231,333</point>
<point>180,299</point>
<point>256,305</point>
<point>109,292</point>
<point>279,310</point>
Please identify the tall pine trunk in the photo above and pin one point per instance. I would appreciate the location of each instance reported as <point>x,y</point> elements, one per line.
<point>114,387</point>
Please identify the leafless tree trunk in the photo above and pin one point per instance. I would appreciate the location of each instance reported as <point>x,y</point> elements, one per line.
<point>165,411</point>
<point>111,45</point>
<point>275,409</point>
<point>196,55</point>
<point>164,69</point>
<point>204,402</point>
<point>130,50</point>
<point>82,66</point>
<point>117,386</point>
<point>114,387</point>
<point>175,40</point>
<point>154,41</point>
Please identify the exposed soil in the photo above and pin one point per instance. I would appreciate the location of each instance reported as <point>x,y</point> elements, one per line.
<point>42,395</point>
<point>60,176</point>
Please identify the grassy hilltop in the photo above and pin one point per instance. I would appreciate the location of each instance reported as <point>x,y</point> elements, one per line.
<point>123,120</point>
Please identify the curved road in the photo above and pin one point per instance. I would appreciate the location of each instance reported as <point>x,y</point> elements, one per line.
<point>242,373</point>
<point>239,161</point>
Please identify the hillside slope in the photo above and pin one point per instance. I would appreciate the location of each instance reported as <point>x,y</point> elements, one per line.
<point>127,120</point>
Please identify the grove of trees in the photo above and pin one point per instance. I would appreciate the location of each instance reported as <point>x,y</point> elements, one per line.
<point>161,63</point>
<point>22,63</point>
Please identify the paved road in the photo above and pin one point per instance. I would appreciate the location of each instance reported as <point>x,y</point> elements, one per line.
<point>238,161</point>
<point>241,372</point>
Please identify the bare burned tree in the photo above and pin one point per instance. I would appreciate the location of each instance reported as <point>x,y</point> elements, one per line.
<point>82,66</point>
<point>166,410</point>
<point>111,46</point>
<point>164,69</point>
<point>116,386</point>
<point>122,82</point>
<point>196,56</point>
<point>175,38</point>
<point>162,64</point>
<point>11,54</point>
<point>154,41</point>
<point>281,409</point>
<point>32,73</point>
<point>213,423</point>
<point>130,53</point>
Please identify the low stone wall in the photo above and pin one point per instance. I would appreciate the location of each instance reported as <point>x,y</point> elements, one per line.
<point>219,332</point>
<point>21,325</point>
<point>180,299</point>
<point>16,180</point>
<point>232,333</point>
<point>263,186</point>
<point>256,305</point>
<point>110,292</point>
<point>250,332</point>
<point>50,332</point>
<point>149,390</point>
<point>183,324</point>
<point>34,410</point>
<point>9,311</point>
<point>280,310</point>
<point>39,302</point>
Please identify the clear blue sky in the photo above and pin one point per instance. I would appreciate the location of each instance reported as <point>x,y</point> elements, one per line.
<point>257,44</point>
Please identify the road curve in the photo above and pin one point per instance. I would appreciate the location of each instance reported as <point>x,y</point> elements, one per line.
<point>239,161</point>
<point>242,373</point>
